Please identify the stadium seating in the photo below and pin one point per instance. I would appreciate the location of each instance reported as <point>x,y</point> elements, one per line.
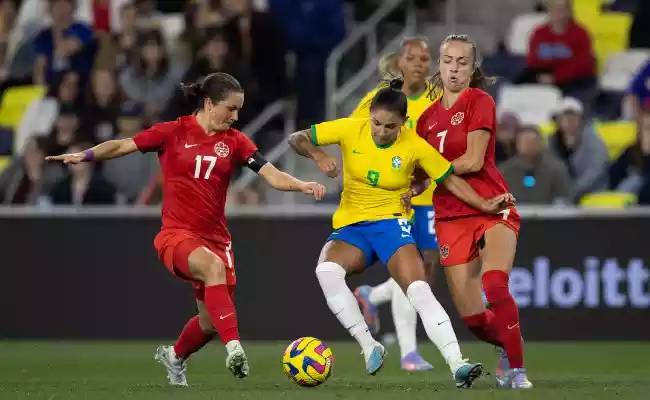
<point>486,40</point>
<point>608,200</point>
<point>533,103</point>
<point>617,135</point>
<point>15,101</point>
<point>621,67</point>
<point>521,28</point>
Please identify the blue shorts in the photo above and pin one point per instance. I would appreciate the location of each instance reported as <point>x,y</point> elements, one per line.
<point>424,231</point>
<point>376,239</point>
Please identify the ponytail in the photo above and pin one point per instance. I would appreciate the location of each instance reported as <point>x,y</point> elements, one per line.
<point>216,87</point>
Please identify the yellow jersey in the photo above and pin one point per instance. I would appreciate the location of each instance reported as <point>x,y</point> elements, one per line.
<point>415,107</point>
<point>374,177</point>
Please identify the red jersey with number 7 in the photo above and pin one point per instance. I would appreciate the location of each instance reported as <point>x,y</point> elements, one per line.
<point>196,169</point>
<point>446,130</point>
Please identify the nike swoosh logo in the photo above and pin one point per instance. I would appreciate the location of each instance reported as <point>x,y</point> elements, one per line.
<point>513,326</point>
<point>225,316</point>
<point>187,146</point>
<point>440,323</point>
<point>355,151</point>
<point>431,127</point>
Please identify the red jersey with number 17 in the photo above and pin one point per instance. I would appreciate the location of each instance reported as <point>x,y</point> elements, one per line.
<point>447,130</point>
<point>196,170</point>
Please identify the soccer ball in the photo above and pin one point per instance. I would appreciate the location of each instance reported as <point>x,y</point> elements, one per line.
<point>307,361</point>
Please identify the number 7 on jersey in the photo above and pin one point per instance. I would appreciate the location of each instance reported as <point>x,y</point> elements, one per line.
<point>442,135</point>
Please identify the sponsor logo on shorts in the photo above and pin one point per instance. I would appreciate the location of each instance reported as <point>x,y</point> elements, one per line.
<point>457,119</point>
<point>396,162</point>
<point>221,150</point>
<point>444,251</point>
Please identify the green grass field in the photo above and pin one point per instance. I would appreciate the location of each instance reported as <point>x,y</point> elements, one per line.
<point>126,370</point>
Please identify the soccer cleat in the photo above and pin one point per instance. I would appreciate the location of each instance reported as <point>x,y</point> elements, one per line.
<point>503,365</point>
<point>236,360</point>
<point>369,310</point>
<point>175,366</point>
<point>515,379</point>
<point>375,360</point>
<point>414,362</point>
<point>466,374</point>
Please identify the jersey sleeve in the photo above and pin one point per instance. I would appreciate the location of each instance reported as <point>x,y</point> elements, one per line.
<point>155,137</point>
<point>245,148</point>
<point>362,109</point>
<point>332,132</point>
<point>483,114</point>
<point>432,162</point>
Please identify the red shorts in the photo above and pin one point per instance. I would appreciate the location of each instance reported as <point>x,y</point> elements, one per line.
<point>174,247</point>
<point>458,238</point>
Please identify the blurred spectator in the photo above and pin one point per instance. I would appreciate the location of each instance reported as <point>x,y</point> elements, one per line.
<point>66,45</point>
<point>256,38</point>
<point>638,93</point>
<point>83,183</point>
<point>65,132</point>
<point>631,171</point>
<point>312,28</point>
<point>639,32</point>
<point>578,145</point>
<point>99,120</point>
<point>148,14</point>
<point>103,15</point>
<point>117,50</point>
<point>29,177</point>
<point>534,175</point>
<point>16,52</point>
<point>560,54</point>
<point>200,16</point>
<point>40,114</point>
<point>507,128</point>
<point>214,55</point>
<point>152,77</point>
<point>130,174</point>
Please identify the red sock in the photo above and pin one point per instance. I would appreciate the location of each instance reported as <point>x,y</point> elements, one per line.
<point>191,339</point>
<point>506,315</point>
<point>222,312</point>
<point>483,327</point>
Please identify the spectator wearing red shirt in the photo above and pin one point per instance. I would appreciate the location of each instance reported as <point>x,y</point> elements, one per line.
<point>560,53</point>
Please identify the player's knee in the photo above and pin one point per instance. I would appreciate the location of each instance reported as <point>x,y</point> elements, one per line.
<point>213,270</point>
<point>329,268</point>
<point>206,324</point>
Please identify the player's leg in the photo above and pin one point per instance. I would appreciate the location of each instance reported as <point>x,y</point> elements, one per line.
<point>407,269</point>
<point>371,297</point>
<point>338,259</point>
<point>206,266</point>
<point>497,257</point>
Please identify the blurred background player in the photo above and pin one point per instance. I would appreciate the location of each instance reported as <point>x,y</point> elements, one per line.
<point>198,154</point>
<point>413,63</point>
<point>476,249</point>
<point>380,154</point>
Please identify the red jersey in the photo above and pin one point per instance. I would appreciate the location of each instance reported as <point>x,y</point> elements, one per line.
<point>446,130</point>
<point>196,170</point>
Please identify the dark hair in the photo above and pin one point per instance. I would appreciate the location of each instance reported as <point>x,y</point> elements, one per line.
<point>530,128</point>
<point>151,35</point>
<point>216,87</point>
<point>479,79</point>
<point>391,98</point>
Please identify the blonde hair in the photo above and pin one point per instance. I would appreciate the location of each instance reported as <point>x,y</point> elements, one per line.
<point>387,66</point>
<point>478,80</point>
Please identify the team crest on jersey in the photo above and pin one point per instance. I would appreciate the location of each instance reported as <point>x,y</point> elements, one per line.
<point>396,162</point>
<point>457,119</point>
<point>444,251</point>
<point>221,150</point>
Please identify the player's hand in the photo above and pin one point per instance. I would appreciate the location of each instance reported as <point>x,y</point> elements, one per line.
<point>313,188</point>
<point>327,164</point>
<point>73,158</point>
<point>406,199</point>
<point>499,203</point>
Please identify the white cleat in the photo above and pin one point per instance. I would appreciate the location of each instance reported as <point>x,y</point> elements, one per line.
<point>515,379</point>
<point>236,360</point>
<point>175,366</point>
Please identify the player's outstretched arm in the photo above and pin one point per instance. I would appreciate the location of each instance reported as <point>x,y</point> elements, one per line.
<point>461,189</point>
<point>287,183</point>
<point>301,143</point>
<point>474,157</point>
<point>103,151</point>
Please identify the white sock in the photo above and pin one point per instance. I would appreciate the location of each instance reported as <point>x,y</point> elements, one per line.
<point>383,292</point>
<point>342,303</point>
<point>405,319</point>
<point>436,323</point>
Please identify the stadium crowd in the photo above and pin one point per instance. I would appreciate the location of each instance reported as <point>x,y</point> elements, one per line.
<point>79,72</point>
